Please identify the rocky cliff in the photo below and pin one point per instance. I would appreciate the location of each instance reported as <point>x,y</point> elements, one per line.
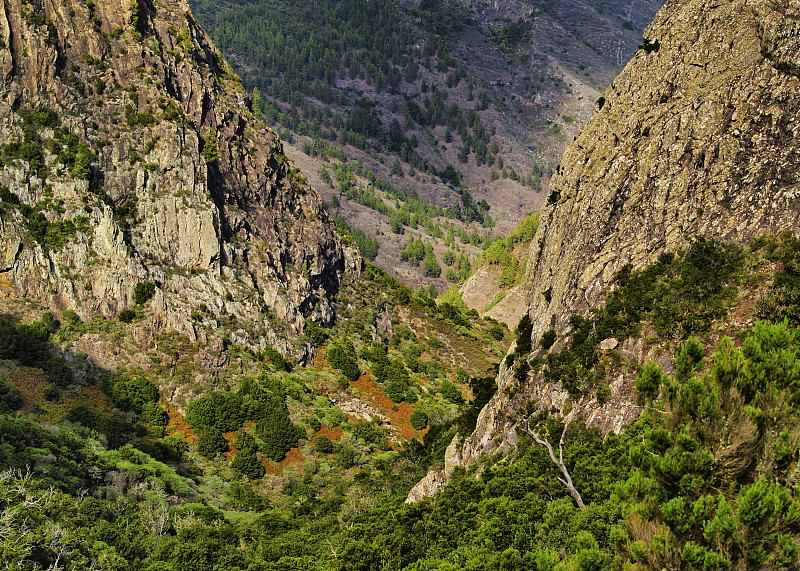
<point>699,135</point>
<point>131,155</point>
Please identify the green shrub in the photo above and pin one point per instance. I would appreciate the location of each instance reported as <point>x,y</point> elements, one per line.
<point>157,417</point>
<point>688,359</point>
<point>523,332</point>
<point>143,292</point>
<point>210,151</point>
<point>547,340</point>
<point>324,445</point>
<point>603,394</point>
<point>342,356</point>
<point>51,393</point>
<point>210,442</point>
<point>246,462</point>
<point>277,360</point>
<point>176,447</point>
<point>126,315</point>
<point>648,383</point>
<point>419,420</point>
<point>316,334</point>
<point>10,398</point>
<point>132,394</point>
<point>451,393</point>
<point>71,317</point>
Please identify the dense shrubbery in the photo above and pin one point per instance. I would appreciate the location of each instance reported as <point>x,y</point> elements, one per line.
<point>783,301</point>
<point>419,420</point>
<point>143,292</point>
<point>28,344</point>
<point>342,356</point>
<point>246,460</point>
<point>705,479</point>
<point>261,402</point>
<point>10,398</point>
<point>367,245</point>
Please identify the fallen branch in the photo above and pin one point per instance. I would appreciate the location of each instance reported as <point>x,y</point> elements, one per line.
<point>567,480</point>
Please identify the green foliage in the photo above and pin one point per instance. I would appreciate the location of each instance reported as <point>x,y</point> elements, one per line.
<point>28,345</point>
<point>451,393</point>
<point>209,150</point>
<point>648,383</point>
<point>10,398</point>
<point>704,479</point>
<point>224,411</point>
<point>135,118</point>
<point>342,356</point>
<point>367,245</point>
<point>604,394</point>
<point>430,266</point>
<point>143,292</point>
<point>783,300</point>
<point>680,294</point>
<point>523,332</point>
<point>324,445</point>
<point>414,253</point>
<point>210,441</point>
<point>773,348</point>
<point>126,315</point>
<point>278,361</point>
<point>688,359</point>
<point>132,394</point>
<point>547,340</point>
<point>156,416</point>
<point>245,461</point>
<point>316,334</point>
<point>419,420</point>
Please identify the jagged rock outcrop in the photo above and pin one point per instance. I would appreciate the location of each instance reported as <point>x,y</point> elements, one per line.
<point>135,156</point>
<point>699,135</point>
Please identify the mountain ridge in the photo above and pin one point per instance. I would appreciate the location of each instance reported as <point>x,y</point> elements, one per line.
<point>172,180</point>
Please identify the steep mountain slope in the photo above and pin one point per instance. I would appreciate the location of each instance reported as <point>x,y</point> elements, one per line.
<point>135,176</point>
<point>698,136</point>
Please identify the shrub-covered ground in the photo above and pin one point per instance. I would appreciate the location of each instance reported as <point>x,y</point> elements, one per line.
<point>281,477</point>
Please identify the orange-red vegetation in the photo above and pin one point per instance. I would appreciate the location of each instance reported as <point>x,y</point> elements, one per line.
<point>294,458</point>
<point>229,438</point>
<point>332,433</point>
<point>177,425</point>
<point>321,359</point>
<point>32,382</point>
<point>400,418</point>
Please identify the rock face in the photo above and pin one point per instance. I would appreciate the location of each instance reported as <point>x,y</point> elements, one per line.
<point>699,135</point>
<point>125,129</point>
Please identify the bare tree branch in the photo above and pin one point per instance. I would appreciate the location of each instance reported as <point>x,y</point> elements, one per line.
<point>567,480</point>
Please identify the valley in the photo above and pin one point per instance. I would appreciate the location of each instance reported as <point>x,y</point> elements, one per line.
<point>404,286</point>
<point>528,73</point>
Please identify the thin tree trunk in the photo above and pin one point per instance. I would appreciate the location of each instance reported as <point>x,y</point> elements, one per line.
<point>567,480</point>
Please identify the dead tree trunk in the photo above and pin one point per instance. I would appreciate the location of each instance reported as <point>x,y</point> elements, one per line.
<point>567,480</point>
